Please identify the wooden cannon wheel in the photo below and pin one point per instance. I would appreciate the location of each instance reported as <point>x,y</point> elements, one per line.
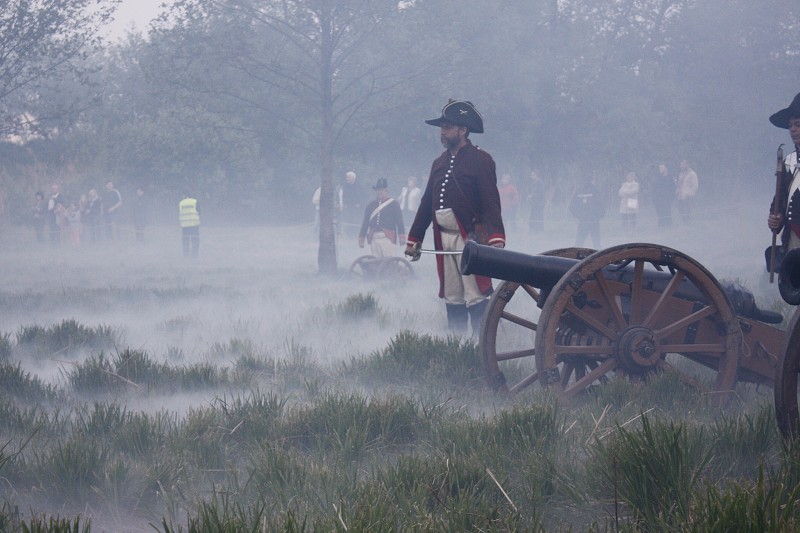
<point>396,268</point>
<point>369,267</point>
<point>507,331</point>
<point>595,321</point>
<point>786,377</point>
<point>365,267</point>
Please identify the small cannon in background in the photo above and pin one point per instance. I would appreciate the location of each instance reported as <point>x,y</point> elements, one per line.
<point>788,372</point>
<point>632,309</point>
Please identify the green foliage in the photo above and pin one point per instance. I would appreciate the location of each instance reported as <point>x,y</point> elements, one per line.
<point>357,306</point>
<point>746,506</point>
<point>655,469</point>
<point>72,469</point>
<point>65,337</point>
<point>5,346</point>
<point>419,357</point>
<point>252,418</point>
<point>136,370</point>
<point>21,385</point>
<point>352,424</point>
<point>12,520</point>
<point>744,440</point>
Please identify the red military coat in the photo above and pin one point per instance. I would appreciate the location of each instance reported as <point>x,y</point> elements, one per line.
<point>471,192</point>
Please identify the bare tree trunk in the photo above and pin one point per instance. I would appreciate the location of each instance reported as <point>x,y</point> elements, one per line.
<point>326,255</point>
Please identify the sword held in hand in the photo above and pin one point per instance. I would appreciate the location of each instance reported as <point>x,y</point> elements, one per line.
<point>416,252</point>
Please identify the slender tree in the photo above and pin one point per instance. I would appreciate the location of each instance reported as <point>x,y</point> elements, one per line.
<point>309,65</point>
<point>42,43</point>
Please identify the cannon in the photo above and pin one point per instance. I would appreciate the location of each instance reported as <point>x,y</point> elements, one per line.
<point>630,310</point>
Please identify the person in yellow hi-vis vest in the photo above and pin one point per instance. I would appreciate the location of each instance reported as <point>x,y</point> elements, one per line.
<point>190,225</point>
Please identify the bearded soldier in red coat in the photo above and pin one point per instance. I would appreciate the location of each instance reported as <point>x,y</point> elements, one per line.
<point>461,201</point>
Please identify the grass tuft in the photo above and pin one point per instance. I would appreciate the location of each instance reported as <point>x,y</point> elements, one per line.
<point>418,358</point>
<point>655,469</point>
<point>64,338</point>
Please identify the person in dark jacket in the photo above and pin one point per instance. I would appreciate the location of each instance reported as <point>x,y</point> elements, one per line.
<point>785,210</point>
<point>382,225</point>
<point>462,202</point>
<point>588,207</point>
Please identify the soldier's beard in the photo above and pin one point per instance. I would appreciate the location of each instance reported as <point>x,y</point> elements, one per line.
<point>449,143</point>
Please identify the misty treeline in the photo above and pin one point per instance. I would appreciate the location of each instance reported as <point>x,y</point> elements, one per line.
<point>250,105</point>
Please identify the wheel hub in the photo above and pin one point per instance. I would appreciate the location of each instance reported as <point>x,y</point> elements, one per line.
<point>637,349</point>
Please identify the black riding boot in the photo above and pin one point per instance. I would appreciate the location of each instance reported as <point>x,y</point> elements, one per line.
<point>476,313</point>
<point>457,318</point>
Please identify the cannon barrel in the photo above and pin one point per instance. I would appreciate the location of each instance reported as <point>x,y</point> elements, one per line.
<point>544,271</point>
<point>789,277</point>
<point>540,271</point>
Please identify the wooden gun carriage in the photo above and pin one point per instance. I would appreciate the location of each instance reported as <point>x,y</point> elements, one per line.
<point>632,310</point>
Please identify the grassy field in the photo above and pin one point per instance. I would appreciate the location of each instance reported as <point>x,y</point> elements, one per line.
<point>144,391</point>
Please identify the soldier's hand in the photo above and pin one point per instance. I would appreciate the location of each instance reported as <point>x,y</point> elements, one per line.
<point>775,222</point>
<point>361,242</point>
<point>413,250</point>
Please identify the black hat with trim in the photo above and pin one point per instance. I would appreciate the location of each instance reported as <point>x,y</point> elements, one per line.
<point>381,184</point>
<point>460,113</point>
<point>781,118</point>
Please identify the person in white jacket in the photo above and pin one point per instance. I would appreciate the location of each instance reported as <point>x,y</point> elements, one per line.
<point>686,189</point>
<point>409,199</point>
<point>629,201</point>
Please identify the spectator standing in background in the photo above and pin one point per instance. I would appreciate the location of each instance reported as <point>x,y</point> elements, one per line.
<point>39,213</point>
<point>587,206</point>
<point>537,200</point>
<point>93,214</point>
<point>55,208</point>
<point>687,186</point>
<point>663,196</point>
<point>112,202</point>
<point>509,200</point>
<point>629,201</point>
<point>409,199</point>
<point>72,215</point>
<point>352,203</point>
<point>189,216</point>
<point>140,213</point>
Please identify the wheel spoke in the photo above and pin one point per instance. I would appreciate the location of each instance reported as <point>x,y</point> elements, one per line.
<point>518,354</point>
<point>611,302</point>
<point>692,348</point>
<point>524,383</point>
<point>662,300</point>
<point>686,378</point>
<point>590,378</point>
<point>566,373</point>
<point>518,320</point>
<point>532,292</point>
<point>637,286</point>
<point>584,350</point>
<point>685,322</point>
<point>590,321</point>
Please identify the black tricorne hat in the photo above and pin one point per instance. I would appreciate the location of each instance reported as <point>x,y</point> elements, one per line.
<point>460,113</point>
<point>781,118</point>
<point>381,184</point>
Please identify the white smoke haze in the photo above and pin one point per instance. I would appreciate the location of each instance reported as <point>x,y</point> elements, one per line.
<point>259,286</point>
